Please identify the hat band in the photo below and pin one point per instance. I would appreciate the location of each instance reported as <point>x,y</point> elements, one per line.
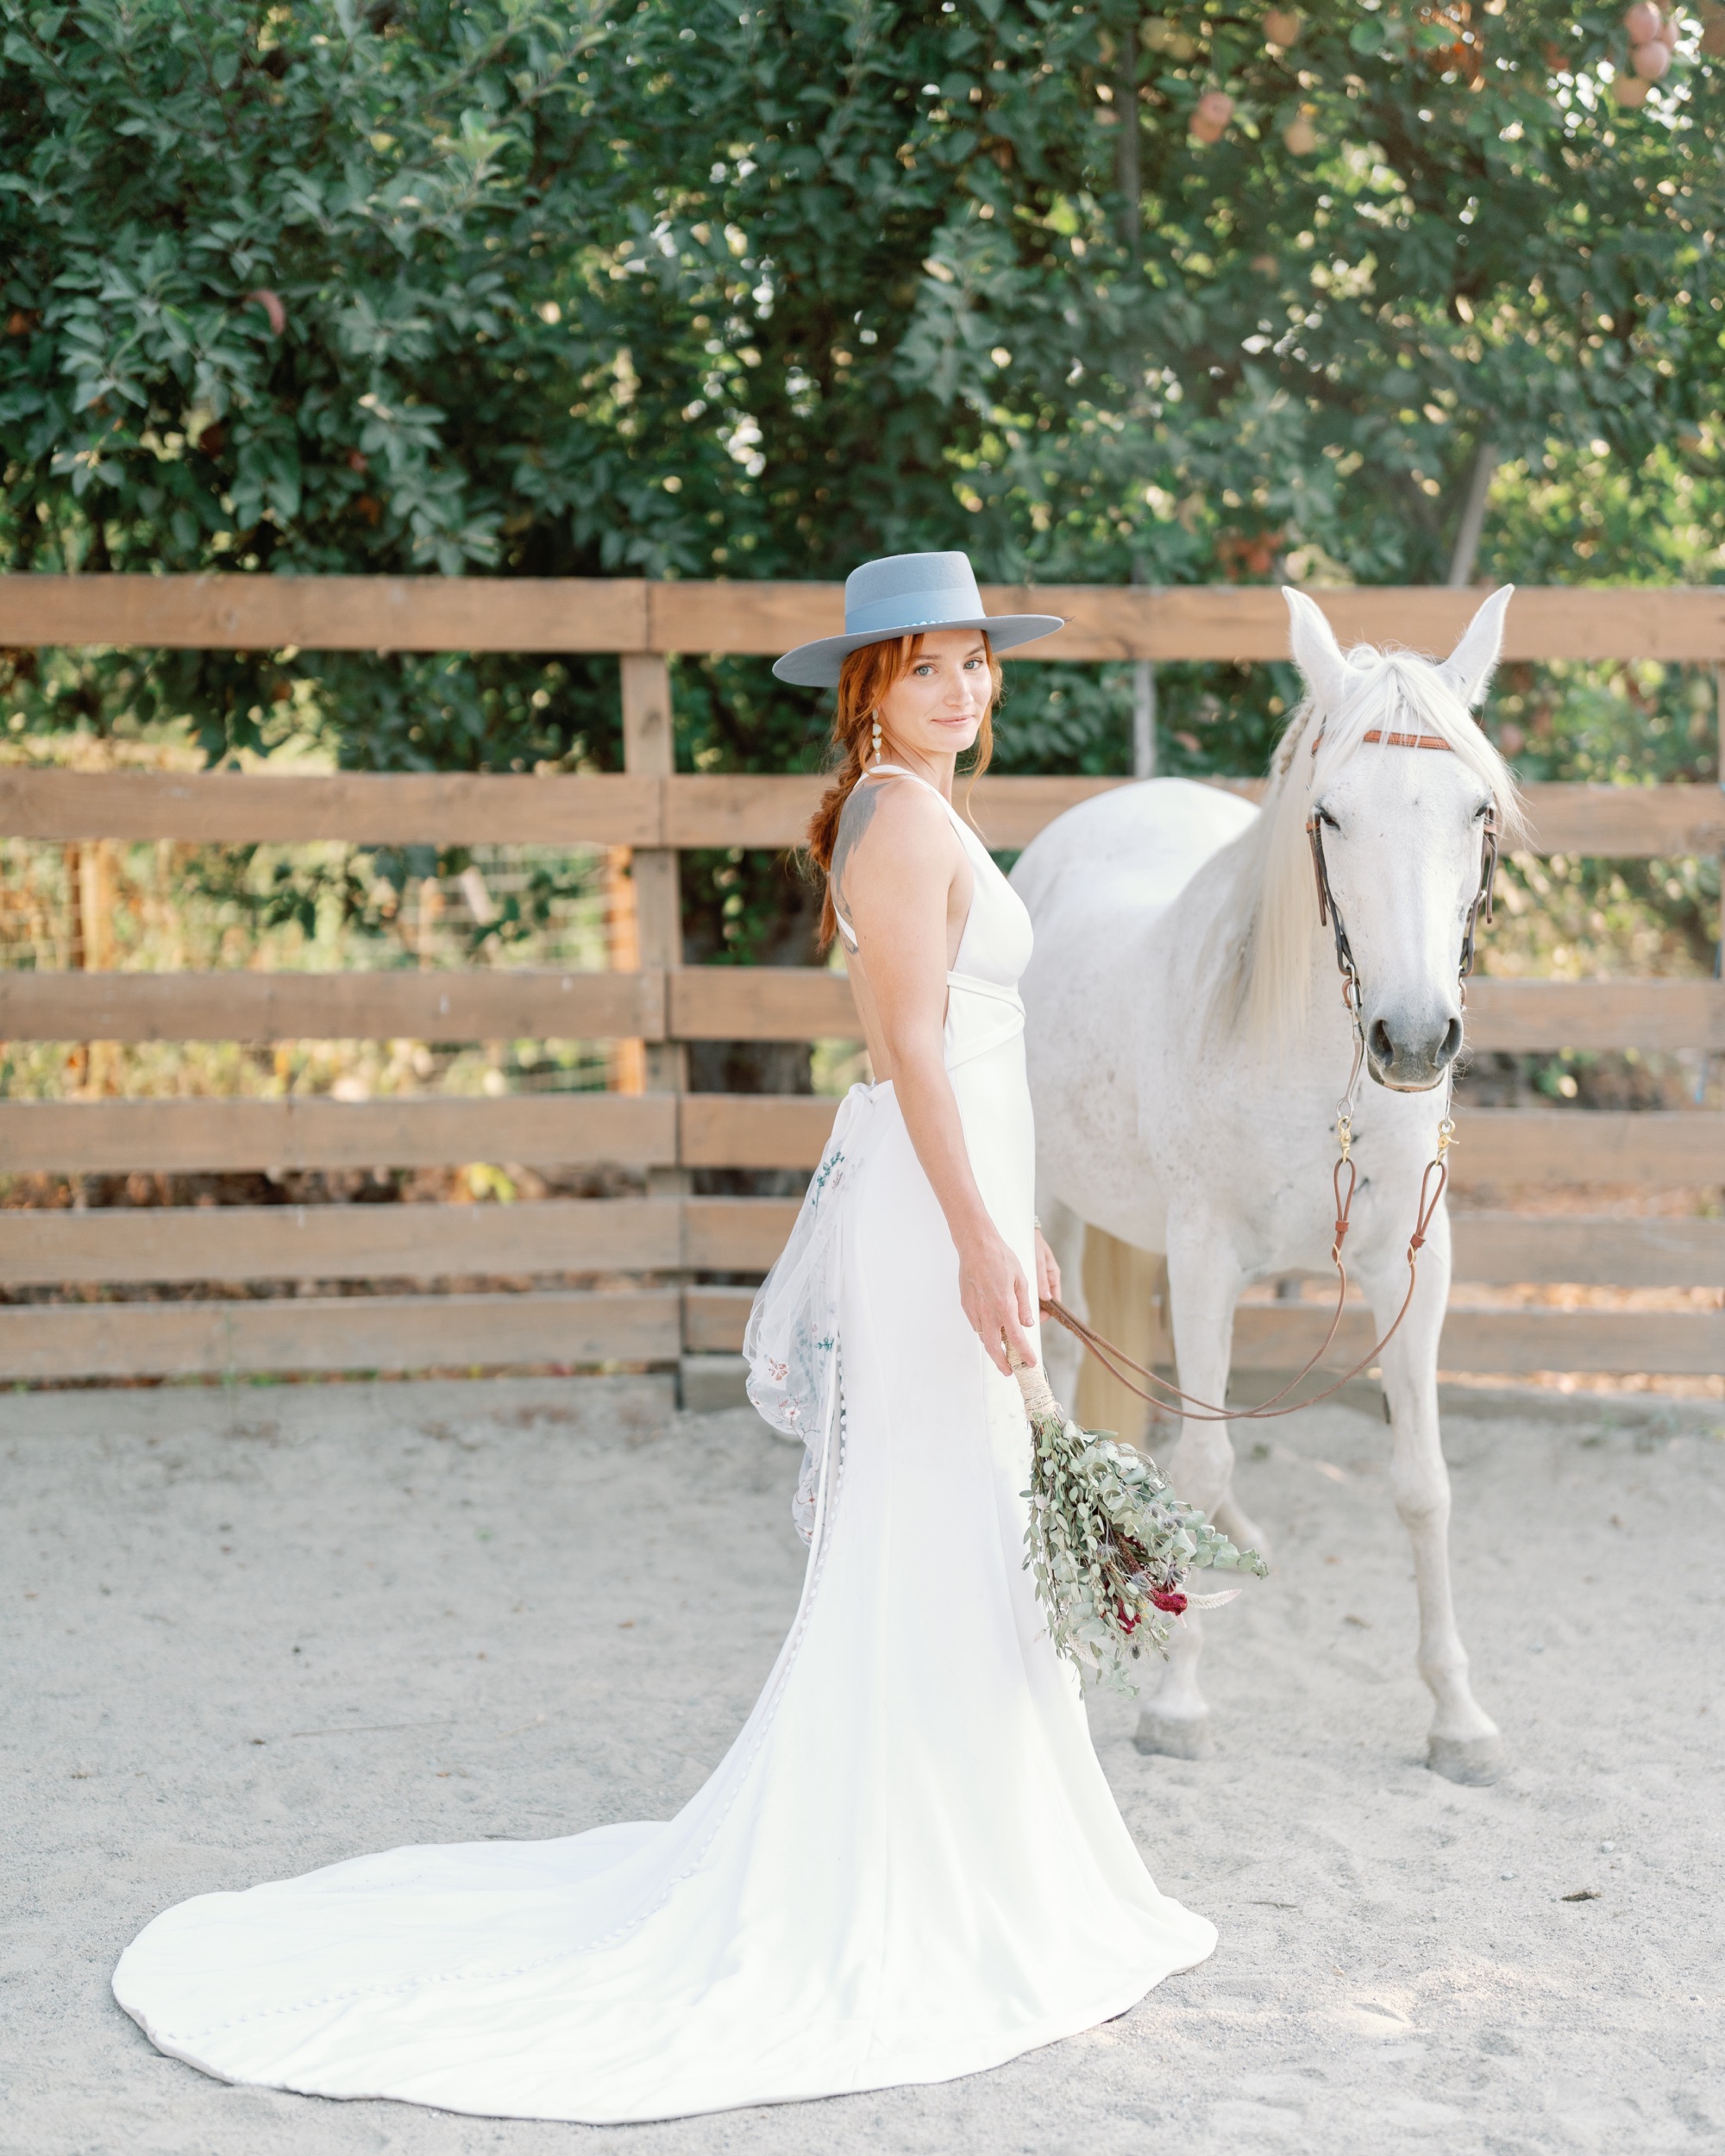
<point>956,602</point>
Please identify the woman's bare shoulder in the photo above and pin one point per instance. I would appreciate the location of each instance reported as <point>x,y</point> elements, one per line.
<point>892,815</point>
<point>887,824</point>
<point>894,803</point>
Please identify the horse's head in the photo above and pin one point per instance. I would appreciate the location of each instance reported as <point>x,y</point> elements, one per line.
<point>1396,780</point>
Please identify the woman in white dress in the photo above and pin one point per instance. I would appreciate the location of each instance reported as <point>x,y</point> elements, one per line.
<point>908,1866</point>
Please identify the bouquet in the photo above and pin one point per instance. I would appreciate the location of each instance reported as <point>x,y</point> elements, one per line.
<point>1109,1548</point>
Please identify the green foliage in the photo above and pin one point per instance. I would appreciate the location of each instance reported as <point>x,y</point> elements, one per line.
<point>276,281</point>
<point>1581,513</point>
<point>695,289</point>
<point>1572,918</point>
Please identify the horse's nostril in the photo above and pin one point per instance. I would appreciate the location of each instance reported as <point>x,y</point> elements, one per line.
<point>1416,1055</point>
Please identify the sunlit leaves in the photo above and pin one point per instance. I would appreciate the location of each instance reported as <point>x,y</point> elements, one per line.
<point>697,289</point>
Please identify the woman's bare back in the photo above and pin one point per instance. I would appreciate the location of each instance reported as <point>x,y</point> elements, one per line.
<point>884,819</point>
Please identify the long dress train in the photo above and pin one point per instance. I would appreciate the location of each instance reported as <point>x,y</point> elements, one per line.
<point>907,1867</point>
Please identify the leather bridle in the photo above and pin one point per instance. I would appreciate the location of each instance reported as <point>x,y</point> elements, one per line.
<point>1330,914</point>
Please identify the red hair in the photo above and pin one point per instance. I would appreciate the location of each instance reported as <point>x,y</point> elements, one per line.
<point>864,682</point>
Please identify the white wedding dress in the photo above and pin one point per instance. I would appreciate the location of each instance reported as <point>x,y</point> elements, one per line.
<point>907,1867</point>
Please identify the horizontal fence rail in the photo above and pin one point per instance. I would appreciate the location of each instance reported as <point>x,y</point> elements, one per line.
<point>128,1245</point>
<point>1498,1147</point>
<point>576,1329</point>
<point>600,1281</point>
<point>505,1003</point>
<point>1281,1336</point>
<point>611,808</point>
<point>392,1242</point>
<point>214,1137</point>
<point>585,1330</point>
<point>698,1003</point>
<point>624,615</point>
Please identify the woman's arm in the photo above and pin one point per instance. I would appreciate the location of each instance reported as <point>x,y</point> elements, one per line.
<point>897,875</point>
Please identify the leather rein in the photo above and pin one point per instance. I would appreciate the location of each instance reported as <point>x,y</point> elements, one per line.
<point>1116,1361</point>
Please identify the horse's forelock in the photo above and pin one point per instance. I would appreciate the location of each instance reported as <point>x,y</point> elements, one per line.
<point>1399,691</point>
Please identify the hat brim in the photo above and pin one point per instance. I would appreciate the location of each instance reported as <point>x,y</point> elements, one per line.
<point>816,666</point>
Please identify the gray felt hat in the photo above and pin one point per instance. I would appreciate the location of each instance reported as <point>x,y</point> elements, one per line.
<point>897,596</point>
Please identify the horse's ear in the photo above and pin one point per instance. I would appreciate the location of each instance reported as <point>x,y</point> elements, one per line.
<point>1316,653</point>
<point>1470,666</point>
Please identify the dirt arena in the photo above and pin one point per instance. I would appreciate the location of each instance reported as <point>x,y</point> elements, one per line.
<point>247,1632</point>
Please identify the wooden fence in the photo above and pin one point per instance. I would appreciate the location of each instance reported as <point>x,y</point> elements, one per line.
<point>652,1250</point>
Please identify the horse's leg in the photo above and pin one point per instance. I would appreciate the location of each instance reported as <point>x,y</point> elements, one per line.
<point>1464,1744</point>
<point>1063,1232</point>
<point>1236,1525</point>
<point>1204,1284</point>
<point>1225,1510</point>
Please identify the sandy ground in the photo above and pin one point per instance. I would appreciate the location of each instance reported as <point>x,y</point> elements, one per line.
<point>247,1634</point>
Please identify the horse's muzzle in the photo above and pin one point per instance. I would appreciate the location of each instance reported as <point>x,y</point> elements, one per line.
<point>1411,1056</point>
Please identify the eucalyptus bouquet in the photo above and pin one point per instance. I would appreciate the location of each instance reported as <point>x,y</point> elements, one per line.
<point>1110,1549</point>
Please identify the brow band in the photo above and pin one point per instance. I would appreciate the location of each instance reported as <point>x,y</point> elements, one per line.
<point>1394,741</point>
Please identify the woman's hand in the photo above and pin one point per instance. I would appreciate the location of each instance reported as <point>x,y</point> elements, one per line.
<point>1047,1272</point>
<point>996,1298</point>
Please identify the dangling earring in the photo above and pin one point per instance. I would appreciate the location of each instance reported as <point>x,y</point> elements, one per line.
<point>877,737</point>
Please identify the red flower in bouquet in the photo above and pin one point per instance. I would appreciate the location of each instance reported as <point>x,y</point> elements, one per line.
<point>1169,1599</point>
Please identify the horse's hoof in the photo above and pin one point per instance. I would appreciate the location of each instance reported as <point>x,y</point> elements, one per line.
<point>1477,1760</point>
<point>1175,1736</point>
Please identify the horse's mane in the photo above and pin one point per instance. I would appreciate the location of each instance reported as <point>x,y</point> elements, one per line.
<point>1258,967</point>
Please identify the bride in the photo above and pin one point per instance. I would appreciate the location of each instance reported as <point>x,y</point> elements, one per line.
<point>908,1866</point>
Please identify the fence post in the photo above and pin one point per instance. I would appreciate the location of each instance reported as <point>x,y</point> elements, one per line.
<point>648,752</point>
<point>1704,1072</point>
<point>1143,719</point>
<point>1143,673</point>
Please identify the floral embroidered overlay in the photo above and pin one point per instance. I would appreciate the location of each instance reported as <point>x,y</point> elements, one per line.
<point>792,1342</point>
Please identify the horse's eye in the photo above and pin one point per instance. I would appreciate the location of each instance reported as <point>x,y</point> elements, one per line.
<point>1481,811</point>
<point>1327,820</point>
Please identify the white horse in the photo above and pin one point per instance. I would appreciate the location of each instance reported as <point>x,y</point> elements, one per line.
<point>1188,1042</point>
